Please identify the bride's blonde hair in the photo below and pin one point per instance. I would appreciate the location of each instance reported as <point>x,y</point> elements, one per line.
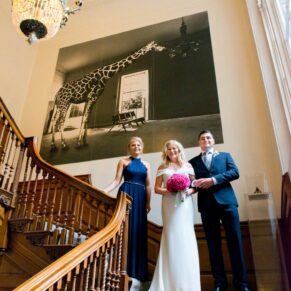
<point>181,155</point>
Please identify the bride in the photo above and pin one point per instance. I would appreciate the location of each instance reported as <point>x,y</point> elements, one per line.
<point>177,267</point>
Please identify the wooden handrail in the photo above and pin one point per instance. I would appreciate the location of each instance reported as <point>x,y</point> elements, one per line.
<point>60,268</point>
<point>31,143</point>
<point>60,212</point>
<point>10,120</point>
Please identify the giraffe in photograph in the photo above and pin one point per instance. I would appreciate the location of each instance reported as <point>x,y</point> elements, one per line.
<point>88,89</point>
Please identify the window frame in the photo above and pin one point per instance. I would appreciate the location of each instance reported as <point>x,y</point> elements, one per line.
<point>280,50</point>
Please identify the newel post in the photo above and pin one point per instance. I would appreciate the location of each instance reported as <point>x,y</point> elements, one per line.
<point>123,272</point>
<point>7,205</point>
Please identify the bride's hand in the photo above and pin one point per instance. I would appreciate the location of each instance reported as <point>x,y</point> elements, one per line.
<point>188,191</point>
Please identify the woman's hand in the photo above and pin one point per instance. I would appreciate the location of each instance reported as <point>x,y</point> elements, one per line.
<point>189,191</point>
<point>148,208</point>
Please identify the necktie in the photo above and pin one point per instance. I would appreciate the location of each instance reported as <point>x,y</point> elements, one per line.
<point>207,157</point>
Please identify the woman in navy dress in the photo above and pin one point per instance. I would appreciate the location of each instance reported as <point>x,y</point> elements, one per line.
<point>136,173</point>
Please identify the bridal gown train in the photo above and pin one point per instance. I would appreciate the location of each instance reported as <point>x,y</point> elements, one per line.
<point>177,267</point>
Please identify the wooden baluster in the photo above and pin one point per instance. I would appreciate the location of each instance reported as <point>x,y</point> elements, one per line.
<point>115,262</point>
<point>3,146</point>
<point>109,276</point>
<point>87,274</point>
<point>43,220</point>
<point>53,203</point>
<point>32,202</point>
<point>98,203</point>
<point>80,218</point>
<point>123,255</point>
<point>59,284</point>
<point>120,258</point>
<point>11,169</point>
<point>73,204</point>
<point>99,274</point>
<point>63,239</point>
<point>37,220</point>
<point>94,272</point>
<point>74,279</point>
<point>10,140</point>
<point>104,263</point>
<point>18,171</point>
<point>27,193</point>
<point>106,208</point>
<point>67,281</point>
<point>83,266</point>
<point>89,218</point>
<point>23,197</point>
<point>2,124</point>
<point>55,239</point>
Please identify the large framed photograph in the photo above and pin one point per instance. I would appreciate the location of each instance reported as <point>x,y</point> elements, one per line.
<point>157,82</point>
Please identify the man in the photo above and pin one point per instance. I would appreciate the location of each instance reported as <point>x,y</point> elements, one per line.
<point>217,204</point>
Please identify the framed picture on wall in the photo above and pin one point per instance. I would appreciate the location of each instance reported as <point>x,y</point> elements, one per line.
<point>162,75</point>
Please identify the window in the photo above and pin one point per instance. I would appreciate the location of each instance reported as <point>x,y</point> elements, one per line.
<point>284,15</point>
<point>276,16</point>
<point>134,93</point>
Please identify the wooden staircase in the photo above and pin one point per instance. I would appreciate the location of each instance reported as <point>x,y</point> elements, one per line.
<point>51,219</point>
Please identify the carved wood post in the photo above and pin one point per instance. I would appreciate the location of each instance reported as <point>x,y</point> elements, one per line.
<point>17,173</point>
<point>123,272</point>
<point>4,216</point>
<point>9,204</point>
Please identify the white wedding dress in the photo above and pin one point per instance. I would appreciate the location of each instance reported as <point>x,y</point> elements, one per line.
<point>177,267</point>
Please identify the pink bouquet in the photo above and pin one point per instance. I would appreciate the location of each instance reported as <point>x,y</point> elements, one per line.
<point>178,183</point>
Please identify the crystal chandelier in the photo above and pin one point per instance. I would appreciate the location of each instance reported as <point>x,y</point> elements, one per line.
<point>41,19</point>
<point>186,46</point>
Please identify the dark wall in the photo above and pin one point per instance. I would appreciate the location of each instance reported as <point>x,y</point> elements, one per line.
<point>179,87</point>
<point>186,86</point>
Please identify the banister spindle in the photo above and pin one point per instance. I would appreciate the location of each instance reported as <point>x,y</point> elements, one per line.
<point>12,166</point>
<point>81,218</point>
<point>37,220</point>
<point>87,274</point>
<point>103,280</point>
<point>53,203</point>
<point>99,274</point>
<point>43,220</point>
<point>89,218</point>
<point>98,203</point>
<point>23,196</point>
<point>94,272</point>
<point>32,200</point>
<point>4,141</point>
<point>6,160</point>
<point>73,206</point>
<point>109,276</point>
<point>115,262</point>
<point>55,239</point>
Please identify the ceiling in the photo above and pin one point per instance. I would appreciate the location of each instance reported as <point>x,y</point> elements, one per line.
<point>107,48</point>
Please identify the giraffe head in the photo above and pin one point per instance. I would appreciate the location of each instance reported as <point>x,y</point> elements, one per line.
<point>154,46</point>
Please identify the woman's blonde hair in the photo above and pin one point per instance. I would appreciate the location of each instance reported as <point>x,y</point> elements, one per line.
<point>181,156</point>
<point>133,139</point>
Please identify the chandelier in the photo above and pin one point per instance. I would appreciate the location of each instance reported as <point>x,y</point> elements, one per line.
<point>41,19</point>
<point>186,46</point>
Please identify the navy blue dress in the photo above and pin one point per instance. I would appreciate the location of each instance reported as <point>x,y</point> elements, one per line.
<point>134,175</point>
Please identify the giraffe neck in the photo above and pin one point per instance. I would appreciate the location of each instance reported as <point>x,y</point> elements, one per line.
<point>109,70</point>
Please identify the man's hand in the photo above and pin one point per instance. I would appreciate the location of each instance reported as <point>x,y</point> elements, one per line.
<point>204,183</point>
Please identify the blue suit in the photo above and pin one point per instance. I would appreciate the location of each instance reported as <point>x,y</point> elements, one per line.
<point>218,204</point>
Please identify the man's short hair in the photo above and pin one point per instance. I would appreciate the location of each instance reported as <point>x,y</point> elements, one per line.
<point>204,131</point>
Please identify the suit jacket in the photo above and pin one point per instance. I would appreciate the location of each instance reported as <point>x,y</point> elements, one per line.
<point>224,170</point>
